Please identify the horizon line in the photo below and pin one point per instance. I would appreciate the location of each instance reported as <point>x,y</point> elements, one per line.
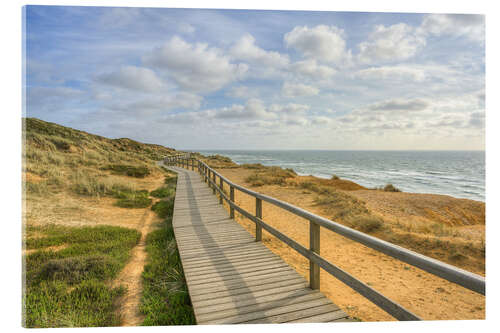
<point>290,149</point>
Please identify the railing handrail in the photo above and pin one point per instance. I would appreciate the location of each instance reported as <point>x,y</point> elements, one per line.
<point>448,272</point>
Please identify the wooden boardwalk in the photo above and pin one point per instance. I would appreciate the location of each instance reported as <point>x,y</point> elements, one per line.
<point>231,278</point>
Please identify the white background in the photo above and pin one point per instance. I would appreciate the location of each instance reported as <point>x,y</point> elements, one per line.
<point>10,120</point>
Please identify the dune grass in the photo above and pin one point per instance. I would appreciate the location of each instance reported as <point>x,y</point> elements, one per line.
<point>270,176</point>
<point>70,287</point>
<point>70,160</point>
<point>162,192</point>
<point>344,207</point>
<point>165,300</point>
<point>133,199</point>
<point>129,170</point>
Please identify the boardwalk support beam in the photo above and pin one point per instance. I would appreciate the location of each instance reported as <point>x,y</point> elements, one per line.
<point>314,246</point>
<point>258,214</point>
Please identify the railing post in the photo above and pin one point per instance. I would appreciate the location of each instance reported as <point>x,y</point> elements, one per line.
<point>314,245</point>
<point>192,164</point>
<point>213,179</point>
<point>258,213</point>
<point>221,185</point>
<point>231,197</point>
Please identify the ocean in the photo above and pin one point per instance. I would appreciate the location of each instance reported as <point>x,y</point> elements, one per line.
<point>460,174</point>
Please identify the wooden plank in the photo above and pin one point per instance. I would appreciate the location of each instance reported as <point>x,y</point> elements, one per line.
<point>250,296</point>
<point>228,255</point>
<point>219,240</point>
<point>233,265</point>
<point>222,249</point>
<point>284,312</point>
<point>244,289</point>
<point>322,318</point>
<point>214,249</point>
<point>224,259</point>
<point>302,313</point>
<point>270,298</point>
<point>198,234</point>
<point>224,313</point>
<point>247,275</point>
<point>214,243</point>
<point>254,269</point>
<point>208,288</point>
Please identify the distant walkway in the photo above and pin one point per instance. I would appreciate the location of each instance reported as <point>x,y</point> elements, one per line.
<point>231,278</point>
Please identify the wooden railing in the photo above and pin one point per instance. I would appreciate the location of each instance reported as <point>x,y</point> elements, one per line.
<point>451,273</point>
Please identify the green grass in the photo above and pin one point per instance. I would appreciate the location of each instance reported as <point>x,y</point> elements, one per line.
<point>270,176</point>
<point>165,300</point>
<point>171,181</point>
<point>162,192</point>
<point>129,170</point>
<point>70,287</point>
<point>133,199</point>
<point>163,208</point>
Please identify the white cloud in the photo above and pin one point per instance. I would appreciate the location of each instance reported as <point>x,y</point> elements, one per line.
<point>242,92</point>
<point>298,90</point>
<point>388,44</point>
<point>133,78</point>
<point>253,109</point>
<point>322,42</point>
<point>245,49</point>
<point>195,67</point>
<point>321,120</point>
<point>312,69</point>
<point>392,73</point>
<point>399,104</point>
<point>290,108</point>
<point>476,119</point>
<point>466,25</point>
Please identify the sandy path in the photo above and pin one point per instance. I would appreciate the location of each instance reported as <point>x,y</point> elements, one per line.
<point>130,276</point>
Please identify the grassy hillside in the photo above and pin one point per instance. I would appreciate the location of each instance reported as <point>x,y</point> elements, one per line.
<point>86,204</point>
<point>58,158</point>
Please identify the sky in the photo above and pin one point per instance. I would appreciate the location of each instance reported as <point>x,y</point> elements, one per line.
<point>246,79</point>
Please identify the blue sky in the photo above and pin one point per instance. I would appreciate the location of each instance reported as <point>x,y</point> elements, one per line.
<point>239,79</point>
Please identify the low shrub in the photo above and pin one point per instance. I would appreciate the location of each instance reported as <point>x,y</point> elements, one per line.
<point>163,208</point>
<point>129,170</point>
<point>271,176</point>
<point>135,199</point>
<point>367,223</point>
<point>162,192</point>
<point>391,188</point>
<point>76,269</point>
